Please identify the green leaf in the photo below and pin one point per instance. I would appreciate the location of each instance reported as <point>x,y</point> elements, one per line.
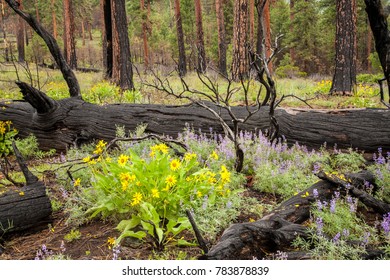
<point>125,225</point>
<point>183,242</point>
<point>129,233</point>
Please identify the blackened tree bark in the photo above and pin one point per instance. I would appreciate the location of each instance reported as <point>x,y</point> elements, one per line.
<point>240,63</point>
<point>221,37</point>
<point>107,38</point>
<point>69,31</point>
<point>182,67</point>
<point>199,37</point>
<point>122,68</point>
<point>344,78</point>
<point>20,36</point>
<point>378,23</point>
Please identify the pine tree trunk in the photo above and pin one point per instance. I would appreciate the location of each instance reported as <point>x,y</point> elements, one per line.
<point>54,19</point>
<point>240,63</point>
<point>221,37</point>
<point>344,78</point>
<point>145,33</point>
<point>292,49</point>
<point>182,67</point>
<point>69,31</point>
<point>122,68</point>
<point>20,37</point>
<point>107,38</point>
<point>199,37</point>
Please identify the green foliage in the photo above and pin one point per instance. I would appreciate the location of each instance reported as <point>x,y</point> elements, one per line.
<point>375,62</point>
<point>29,148</point>
<point>106,92</point>
<point>154,191</point>
<point>74,234</point>
<point>368,78</point>
<point>7,135</point>
<point>348,162</point>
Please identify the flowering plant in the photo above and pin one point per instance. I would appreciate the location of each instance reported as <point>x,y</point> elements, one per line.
<point>7,134</point>
<point>150,195</point>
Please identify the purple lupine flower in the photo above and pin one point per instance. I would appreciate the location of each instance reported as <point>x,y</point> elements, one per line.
<point>332,207</point>
<point>229,205</point>
<point>115,252</point>
<point>320,225</point>
<point>379,174</point>
<point>280,255</point>
<point>316,168</point>
<point>366,238</point>
<point>345,232</point>
<point>352,204</point>
<point>315,193</point>
<point>386,223</point>
<point>336,238</point>
<point>337,195</point>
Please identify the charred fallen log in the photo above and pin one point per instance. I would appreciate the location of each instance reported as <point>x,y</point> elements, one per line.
<point>60,124</point>
<point>25,207</point>
<point>277,230</point>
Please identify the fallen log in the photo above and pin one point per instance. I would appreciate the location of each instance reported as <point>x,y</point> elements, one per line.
<point>71,121</point>
<point>276,230</point>
<point>25,207</point>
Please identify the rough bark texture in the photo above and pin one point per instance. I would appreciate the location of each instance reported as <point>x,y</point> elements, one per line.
<point>378,23</point>
<point>20,37</point>
<point>24,208</point>
<point>122,68</point>
<point>276,230</point>
<point>199,37</point>
<point>145,33</point>
<point>69,33</point>
<point>344,78</point>
<point>240,63</point>
<point>107,38</point>
<point>182,64</point>
<point>54,19</point>
<point>221,37</point>
<point>67,73</point>
<point>69,121</point>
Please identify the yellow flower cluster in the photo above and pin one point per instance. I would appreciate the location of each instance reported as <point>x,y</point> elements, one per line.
<point>189,156</point>
<point>170,181</point>
<point>77,182</point>
<point>158,148</point>
<point>99,149</point>
<point>126,179</point>
<point>5,126</point>
<point>225,175</point>
<point>137,198</point>
<point>214,155</point>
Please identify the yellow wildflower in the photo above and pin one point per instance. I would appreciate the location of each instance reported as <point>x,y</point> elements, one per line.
<point>199,194</point>
<point>175,164</point>
<point>87,159</point>
<point>138,184</point>
<point>110,241</point>
<point>136,199</point>
<point>214,155</point>
<point>251,220</point>
<point>77,182</point>
<point>170,180</point>
<point>21,193</point>
<point>123,159</point>
<point>189,156</point>
<point>225,174</point>
<point>163,148</point>
<point>155,193</point>
<point>127,177</point>
<point>108,159</point>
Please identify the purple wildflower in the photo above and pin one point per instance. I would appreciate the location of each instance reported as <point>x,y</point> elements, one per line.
<point>316,168</point>
<point>315,193</point>
<point>279,255</point>
<point>62,247</point>
<point>386,223</point>
<point>336,238</point>
<point>332,205</point>
<point>345,232</point>
<point>115,252</point>
<point>229,205</point>
<point>320,225</point>
<point>366,238</point>
<point>319,205</point>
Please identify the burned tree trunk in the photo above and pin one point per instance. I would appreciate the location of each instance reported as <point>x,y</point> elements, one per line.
<point>276,230</point>
<point>63,123</point>
<point>26,207</point>
<point>378,23</point>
